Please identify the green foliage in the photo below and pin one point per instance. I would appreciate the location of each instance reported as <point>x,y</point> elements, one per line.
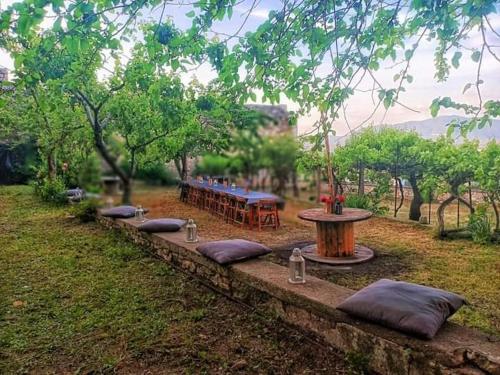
<point>84,171</point>
<point>358,201</point>
<point>212,165</point>
<point>51,190</point>
<point>480,226</point>
<point>279,155</point>
<point>86,210</point>
<point>156,174</point>
<point>357,363</point>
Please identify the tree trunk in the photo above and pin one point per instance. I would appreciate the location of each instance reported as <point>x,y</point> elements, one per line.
<point>361,179</point>
<point>295,184</point>
<point>127,191</point>
<point>440,211</point>
<point>497,214</point>
<point>399,184</point>
<point>51,165</point>
<point>417,200</point>
<point>440,215</point>
<point>181,167</point>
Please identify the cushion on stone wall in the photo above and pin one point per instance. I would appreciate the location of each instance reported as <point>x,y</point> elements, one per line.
<point>120,212</point>
<point>161,225</point>
<point>73,192</point>
<point>410,308</point>
<point>230,251</point>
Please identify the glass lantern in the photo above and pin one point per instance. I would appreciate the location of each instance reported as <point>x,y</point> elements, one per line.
<point>297,268</point>
<point>191,231</point>
<point>233,186</point>
<point>139,214</point>
<point>216,181</point>
<point>109,202</point>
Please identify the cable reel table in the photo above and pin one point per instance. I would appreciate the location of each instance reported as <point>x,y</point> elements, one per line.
<point>335,237</point>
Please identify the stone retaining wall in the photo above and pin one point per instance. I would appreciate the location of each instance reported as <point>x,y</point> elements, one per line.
<point>311,307</point>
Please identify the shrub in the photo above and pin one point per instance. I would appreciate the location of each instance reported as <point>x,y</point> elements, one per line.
<point>358,201</point>
<point>51,190</point>
<point>480,226</point>
<point>357,363</point>
<point>370,202</point>
<point>86,210</point>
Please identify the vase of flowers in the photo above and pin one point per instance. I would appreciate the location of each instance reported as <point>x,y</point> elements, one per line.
<point>329,203</point>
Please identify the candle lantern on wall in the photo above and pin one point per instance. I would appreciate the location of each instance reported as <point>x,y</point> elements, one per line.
<point>139,214</point>
<point>191,231</point>
<point>297,268</point>
<point>109,202</point>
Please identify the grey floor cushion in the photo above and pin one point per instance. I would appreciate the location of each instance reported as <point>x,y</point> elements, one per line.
<point>162,225</point>
<point>410,308</point>
<point>72,192</point>
<point>121,212</point>
<point>230,251</point>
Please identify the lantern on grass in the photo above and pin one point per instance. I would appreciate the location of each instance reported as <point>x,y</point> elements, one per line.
<point>191,231</point>
<point>139,214</point>
<point>297,268</point>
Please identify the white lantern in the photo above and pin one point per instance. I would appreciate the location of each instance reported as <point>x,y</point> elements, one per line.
<point>139,214</point>
<point>109,202</point>
<point>191,231</point>
<point>297,268</point>
<point>233,186</point>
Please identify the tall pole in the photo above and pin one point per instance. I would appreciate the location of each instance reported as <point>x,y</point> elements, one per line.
<point>329,165</point>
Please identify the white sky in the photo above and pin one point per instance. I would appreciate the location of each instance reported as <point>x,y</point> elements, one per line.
<point>418,95</point>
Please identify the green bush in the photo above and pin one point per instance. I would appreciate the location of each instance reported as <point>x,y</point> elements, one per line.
<point>212,165</point>
<point>51,190</point>
<point>480,226</point>
<point>358,201</point>
<point>86,210</point>
<point>156,174</point>
<point>369,201</point>
<point>85,173</point>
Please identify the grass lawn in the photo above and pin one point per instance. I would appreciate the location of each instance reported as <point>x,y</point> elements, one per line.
<point>75,298</point>
<point>404,251</point>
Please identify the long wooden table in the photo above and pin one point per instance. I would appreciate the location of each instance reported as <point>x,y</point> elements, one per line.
<point>251,197</point>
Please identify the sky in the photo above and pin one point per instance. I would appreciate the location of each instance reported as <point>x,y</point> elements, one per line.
<point>418,95</point>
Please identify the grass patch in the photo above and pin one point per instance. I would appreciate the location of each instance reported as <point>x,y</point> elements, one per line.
<point>75,298</point>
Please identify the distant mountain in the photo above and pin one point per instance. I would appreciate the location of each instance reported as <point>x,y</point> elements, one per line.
<point>434,127</point>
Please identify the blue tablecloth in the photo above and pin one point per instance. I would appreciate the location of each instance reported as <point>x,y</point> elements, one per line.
<point>252,197</point>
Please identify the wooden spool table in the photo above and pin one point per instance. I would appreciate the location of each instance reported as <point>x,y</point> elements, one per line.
<point>335,236</point>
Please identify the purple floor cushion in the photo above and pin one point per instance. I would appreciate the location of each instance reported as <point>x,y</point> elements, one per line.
<point>230,251</point>
<point>162,225</point>
<point>410,308</point>
<point>120,212</point>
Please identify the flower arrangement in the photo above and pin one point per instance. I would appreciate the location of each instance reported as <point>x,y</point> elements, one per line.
<point>333,205</point>
<point>326,199</point>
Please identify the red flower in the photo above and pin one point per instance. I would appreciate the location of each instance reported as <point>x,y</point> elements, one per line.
<point>326,199</point>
